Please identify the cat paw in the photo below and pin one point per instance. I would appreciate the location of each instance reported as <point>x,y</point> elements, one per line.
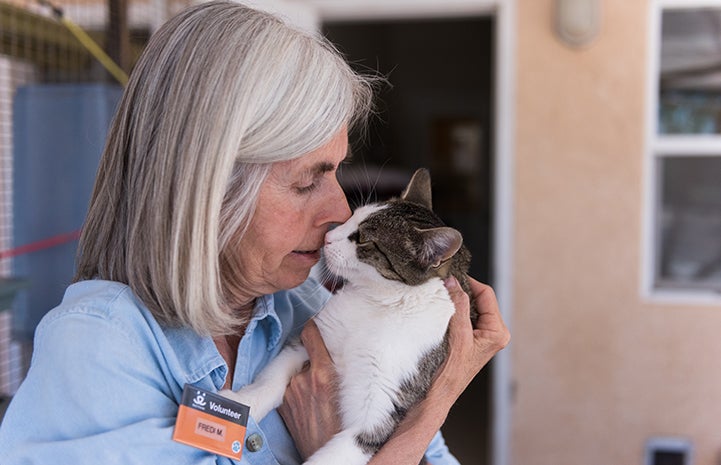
<point>342,449</point>
<point>234,396</point>
<point>259,404</point>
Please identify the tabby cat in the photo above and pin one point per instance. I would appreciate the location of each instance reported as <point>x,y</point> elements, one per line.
<point>385,329</point>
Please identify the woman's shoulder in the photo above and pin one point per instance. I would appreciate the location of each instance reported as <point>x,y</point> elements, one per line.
<point>101,373</point>
<point>93,309</point>
<point>101,327</point>
<point>96,298</point>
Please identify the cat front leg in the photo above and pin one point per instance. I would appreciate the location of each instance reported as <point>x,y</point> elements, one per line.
<point>267,390</point>
<point>342,449</point>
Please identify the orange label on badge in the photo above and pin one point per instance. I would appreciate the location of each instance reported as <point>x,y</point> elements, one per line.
<point>211,422</point>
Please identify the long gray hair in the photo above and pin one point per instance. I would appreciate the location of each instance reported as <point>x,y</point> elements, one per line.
<point>221,92</point>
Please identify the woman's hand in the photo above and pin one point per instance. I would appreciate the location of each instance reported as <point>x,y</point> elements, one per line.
<point>471,348</point>
<point>310,408</point>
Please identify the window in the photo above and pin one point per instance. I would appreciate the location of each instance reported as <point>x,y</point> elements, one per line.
<point>685,146</point>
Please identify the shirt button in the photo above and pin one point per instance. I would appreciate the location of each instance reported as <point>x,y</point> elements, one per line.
<point>254,442</point>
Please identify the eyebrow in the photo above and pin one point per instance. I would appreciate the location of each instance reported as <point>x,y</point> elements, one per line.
<point>326,166</point>
<point>322,167</point>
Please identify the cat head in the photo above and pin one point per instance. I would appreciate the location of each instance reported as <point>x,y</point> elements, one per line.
<point>400,240</point>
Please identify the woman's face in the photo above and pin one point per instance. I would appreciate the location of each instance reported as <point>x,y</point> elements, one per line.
<point>298,201</point>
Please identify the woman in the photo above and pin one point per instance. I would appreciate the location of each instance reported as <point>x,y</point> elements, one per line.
<point>213,196</point>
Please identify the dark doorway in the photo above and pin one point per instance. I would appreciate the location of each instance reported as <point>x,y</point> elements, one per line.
<point>437,113</point>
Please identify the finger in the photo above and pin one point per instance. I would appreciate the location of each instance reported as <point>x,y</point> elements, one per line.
<point>485,297</point>
<point>313,343</point>
<point>490,321</point>
<point>478,288</point>
<point>459,297</point>
<point>460,330</point>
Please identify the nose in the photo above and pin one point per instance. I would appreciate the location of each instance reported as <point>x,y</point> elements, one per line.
<point>337,205</point>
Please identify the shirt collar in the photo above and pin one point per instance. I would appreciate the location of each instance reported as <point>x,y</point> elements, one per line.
<point>264,313</point>
<point>198,357</point>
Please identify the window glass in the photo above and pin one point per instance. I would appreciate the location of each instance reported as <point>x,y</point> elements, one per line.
<point>690,72</point>
<point>689,254</point>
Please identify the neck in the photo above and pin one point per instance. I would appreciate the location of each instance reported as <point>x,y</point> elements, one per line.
<point>228,348</point>
<point>392,291</point>
<point>228,345</point>
<point>245,309</point>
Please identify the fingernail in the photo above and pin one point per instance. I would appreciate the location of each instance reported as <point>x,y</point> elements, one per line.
<point>451,282</point>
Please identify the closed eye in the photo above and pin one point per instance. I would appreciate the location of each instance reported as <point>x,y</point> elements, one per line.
<point>357,238</point>
<point>306,189</point>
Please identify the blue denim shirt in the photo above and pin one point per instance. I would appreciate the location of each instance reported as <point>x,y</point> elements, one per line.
<point>106,380</point>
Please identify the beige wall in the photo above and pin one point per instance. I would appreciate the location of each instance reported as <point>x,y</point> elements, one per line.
<point>597,369</point>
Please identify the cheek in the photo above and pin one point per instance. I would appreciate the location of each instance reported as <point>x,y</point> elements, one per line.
<point>373,259</point>
<point>274,245</point>
<point>276,230</point>
<point>261,248</point>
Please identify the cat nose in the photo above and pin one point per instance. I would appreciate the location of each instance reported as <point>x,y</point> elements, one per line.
<point>329,236</point>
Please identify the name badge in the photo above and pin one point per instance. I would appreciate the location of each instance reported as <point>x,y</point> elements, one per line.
<point>211,422</point>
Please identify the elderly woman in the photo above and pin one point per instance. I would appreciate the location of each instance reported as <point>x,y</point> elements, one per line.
<point>213,196</point>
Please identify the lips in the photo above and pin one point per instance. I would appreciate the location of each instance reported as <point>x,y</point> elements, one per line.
<point>310,254</point>
<point>307,252</point>
<point>313,251</point>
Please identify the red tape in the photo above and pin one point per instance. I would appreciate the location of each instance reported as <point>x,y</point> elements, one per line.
<point>41,245</point>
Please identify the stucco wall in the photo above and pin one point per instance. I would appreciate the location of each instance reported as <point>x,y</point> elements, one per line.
<point>597,368</point>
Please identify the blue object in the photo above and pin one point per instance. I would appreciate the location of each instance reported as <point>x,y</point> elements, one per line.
<point>59,132</point>
<point>106,381</point>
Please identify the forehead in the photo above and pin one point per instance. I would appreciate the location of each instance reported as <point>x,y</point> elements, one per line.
<point>363,213</point>
<point>359,216</point>
<point>327,157</point>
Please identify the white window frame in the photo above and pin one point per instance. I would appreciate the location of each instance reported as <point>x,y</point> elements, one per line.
<point>659,146</point>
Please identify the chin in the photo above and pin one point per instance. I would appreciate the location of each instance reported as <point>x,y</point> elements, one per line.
<point>295,280</point>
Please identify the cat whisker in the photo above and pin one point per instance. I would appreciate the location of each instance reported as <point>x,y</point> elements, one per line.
<point>332,281</point>
<point>373,191</point>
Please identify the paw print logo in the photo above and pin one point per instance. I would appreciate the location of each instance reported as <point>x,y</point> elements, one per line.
<point>199,399</point>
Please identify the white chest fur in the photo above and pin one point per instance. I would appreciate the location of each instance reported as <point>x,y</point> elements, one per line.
<point>376,340</point>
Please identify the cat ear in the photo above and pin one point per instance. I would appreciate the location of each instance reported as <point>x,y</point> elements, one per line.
<point>419,189</point>
<point>439,244</point>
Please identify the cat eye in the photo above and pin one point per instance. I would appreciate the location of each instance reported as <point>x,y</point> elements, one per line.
<point>358,238</point>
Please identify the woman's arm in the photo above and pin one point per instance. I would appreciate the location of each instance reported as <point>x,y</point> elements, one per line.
<point>312,420</point>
